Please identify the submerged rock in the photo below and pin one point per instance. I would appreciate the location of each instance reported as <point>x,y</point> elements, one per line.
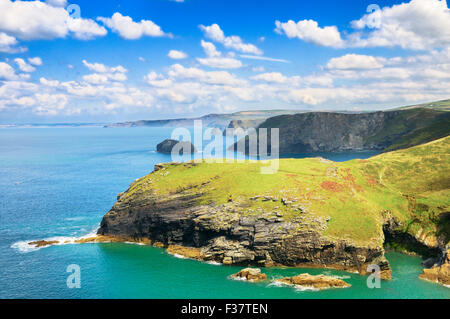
<point>316,282</point>
<point>250,274</point>
<point>43,243</point>
<point>167,146</point>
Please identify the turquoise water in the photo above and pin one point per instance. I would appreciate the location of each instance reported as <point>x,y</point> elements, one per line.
<point>59,182</point>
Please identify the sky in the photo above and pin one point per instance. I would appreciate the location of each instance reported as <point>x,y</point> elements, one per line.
<point>107,61</point>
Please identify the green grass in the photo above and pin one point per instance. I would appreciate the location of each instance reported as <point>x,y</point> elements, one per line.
<point>412,184</point>
<point>443,105</point>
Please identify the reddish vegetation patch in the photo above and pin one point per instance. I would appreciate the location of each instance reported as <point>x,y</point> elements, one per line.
<point>291,175</point>
<point>371,181</point>
<point>349,178</point>
<point>332,186</point>
<point>363,161</point>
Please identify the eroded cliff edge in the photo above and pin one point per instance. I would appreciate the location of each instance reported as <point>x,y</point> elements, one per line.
<point>312,212</point>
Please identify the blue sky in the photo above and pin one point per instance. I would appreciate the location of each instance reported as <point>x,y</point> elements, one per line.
<point>151,59</point>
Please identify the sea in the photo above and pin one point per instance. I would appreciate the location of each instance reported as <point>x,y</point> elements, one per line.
<point>58,182</point>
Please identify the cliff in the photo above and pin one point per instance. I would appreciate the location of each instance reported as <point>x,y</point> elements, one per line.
<point>220,121</point>
<point>244,125</point>
<point>167,146</point>
<point>312,212</point>
<point>332,132</point>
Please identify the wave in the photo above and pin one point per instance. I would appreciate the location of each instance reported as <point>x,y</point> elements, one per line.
<point>179,256</point>
<point>297,288</point>
<point>25,247</point>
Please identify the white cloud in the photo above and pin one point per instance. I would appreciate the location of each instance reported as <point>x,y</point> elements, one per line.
<point>215,58</point>
<point>103,74</point>
<point>215,33</point>
<point>273,77</point>
<point>101,68</point>
<point>23,66</point>
<point>212,77</point>
<point>36,61</point>
<point>157,80</point>
<point>416,25</point>
<point>142,59</point>
<point>52,83</point>
<point>355,62</point>
<point>8,44</point>
<point>7,72</point>
<point>130,30</point>
<point>31,20</point>
<point>221,63</point>
<point>177,55</point>
<point>50,104</point>
<point>309,31</point>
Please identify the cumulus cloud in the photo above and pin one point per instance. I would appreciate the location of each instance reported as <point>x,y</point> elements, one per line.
<point>355,62</point>
<point>32,20</point>
<point>7,72</point>
<point>273,77</point>
<point>177,55</point>
<point>416,25</point>
<point>36,61</point>
<point>103,74</point>
<point>24,66</point>
<point>130,30</point>
<point>215,59</point>
<point>215,33</point>
<point>309,31</point>
<point>101,68</point>
<point>212,77</point>
<point>8,44</point>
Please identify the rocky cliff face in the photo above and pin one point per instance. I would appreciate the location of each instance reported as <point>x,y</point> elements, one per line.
<point>311,212</point>
<point>167,146</point>
<point>224,234</point>
<point>331,132</point>
<point>244,125</point>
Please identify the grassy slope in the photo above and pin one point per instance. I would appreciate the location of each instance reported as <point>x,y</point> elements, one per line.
<point>443,105</point>
<point>412,184</point>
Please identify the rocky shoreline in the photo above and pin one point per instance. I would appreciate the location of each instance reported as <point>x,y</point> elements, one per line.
<point>221,234</point>
<point>312,213</point>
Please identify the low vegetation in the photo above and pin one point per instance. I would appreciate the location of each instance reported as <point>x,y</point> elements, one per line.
<point>355,198</point>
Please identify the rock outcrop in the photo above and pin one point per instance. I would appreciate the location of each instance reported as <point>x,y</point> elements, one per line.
<point>243,125</point>
<point>250,274</point>
<point>310,213</point>
<point>43,243</point>
<point>440,270</point>
<point>223,233</point>
<point>183,147</point>
<point>317,282</point>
